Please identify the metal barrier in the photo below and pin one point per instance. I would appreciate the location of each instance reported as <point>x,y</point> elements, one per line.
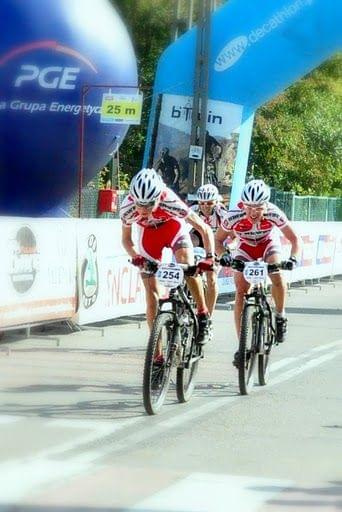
<point>305,208</point>
<point>308,208</point>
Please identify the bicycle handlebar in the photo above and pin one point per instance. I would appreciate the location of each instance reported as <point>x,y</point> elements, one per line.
<point>189,270</point>
<point>239,265</point>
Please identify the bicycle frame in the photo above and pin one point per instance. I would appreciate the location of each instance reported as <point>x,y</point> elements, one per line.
<point>258,299</point>
<point>180,301</point>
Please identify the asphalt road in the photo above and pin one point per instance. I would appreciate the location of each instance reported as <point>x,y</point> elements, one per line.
<point>74,435</point>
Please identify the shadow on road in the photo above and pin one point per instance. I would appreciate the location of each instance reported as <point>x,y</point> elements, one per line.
<point>312,498</point>
<point>314,311</point>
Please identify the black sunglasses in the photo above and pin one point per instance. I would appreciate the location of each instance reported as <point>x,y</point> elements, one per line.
<point>146,205</point>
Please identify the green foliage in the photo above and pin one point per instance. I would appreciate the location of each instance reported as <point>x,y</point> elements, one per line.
<point>297,138</point>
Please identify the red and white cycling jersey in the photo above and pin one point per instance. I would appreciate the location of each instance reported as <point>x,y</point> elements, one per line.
<point>215,219</point>
<point>170,206</point>
<point>164,227</point>
<point>253,233</point>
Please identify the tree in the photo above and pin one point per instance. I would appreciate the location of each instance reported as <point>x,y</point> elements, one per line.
<point>297,137</point>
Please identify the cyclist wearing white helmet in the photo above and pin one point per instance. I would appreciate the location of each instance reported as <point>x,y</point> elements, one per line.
<point>210,210</point>
<point>160,216</point>
<point>253,222</point>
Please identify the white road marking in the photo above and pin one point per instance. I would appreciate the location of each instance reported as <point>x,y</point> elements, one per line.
<point>80,423</point>
<point>208,492</point>
<point>304,367</point>
<point>39,469</point>
<point>283,362</point>
<point>306,355</point>
<point>5,420</point>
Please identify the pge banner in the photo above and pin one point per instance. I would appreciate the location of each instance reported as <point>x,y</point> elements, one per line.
<point>55,56</point>
<point>37,271</point>
<point>172,145</point>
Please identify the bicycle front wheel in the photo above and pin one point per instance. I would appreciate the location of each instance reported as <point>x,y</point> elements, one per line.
<point>265,349</point>
<point>247,349</point>
<point>158,363</point>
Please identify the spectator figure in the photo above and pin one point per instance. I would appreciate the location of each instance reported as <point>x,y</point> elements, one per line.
<point>213,152</point>
<point>168,168</point>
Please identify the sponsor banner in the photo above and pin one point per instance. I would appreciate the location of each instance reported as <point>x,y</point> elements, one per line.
<point>171,158</point>
<point>39,258</point>
<point>321,254</point>
<point>108,285</point>
<point>37,272</point>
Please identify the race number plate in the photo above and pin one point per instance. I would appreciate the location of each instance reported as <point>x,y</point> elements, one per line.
<point>170,275</point>
<point>255,272</point>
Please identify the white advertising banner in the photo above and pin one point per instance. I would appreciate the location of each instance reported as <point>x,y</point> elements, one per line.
<point>37,272</point>
<point>109,286</point>
<point>321,254</point>
<point>39,258</point>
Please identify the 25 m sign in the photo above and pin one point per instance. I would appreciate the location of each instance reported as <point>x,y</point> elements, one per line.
<point>121,108</point>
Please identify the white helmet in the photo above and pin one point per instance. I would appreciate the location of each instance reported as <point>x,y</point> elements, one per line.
<point>207,193</point>
<point>255,192</point>
<point>146,186</point>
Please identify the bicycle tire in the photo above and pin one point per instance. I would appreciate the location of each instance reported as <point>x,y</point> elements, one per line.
<point>154,394</point>
<point>265,346</point>
<point>247,353</point>
<point>186,377</point>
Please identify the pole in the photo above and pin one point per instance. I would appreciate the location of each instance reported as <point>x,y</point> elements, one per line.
<point>175,31</point>
<point>84,90</point>
<point>200,101</point>
<point>118,164</point>
<point>190,14</point>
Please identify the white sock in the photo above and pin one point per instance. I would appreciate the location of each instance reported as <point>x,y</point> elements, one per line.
<point>280,314</point>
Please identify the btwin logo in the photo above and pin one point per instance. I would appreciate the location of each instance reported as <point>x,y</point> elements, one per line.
<point>48,77</point>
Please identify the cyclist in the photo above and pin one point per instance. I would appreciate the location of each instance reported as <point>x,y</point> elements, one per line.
<point>160,216</point>
<point>210,210</point>
<point>168,168</point>
<point>213,153</point>
<point>253,222</point>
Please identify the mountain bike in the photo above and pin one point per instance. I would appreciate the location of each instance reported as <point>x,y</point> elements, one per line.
<point>172,342</point>
<point>257,333</point>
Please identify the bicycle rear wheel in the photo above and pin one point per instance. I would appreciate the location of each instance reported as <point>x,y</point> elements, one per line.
<point>186,374</point>
<point>247,349</point>
<point>265,348</point>
<point>158,363</point>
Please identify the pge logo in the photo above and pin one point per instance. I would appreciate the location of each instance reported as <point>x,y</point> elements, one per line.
<point>51,76</point>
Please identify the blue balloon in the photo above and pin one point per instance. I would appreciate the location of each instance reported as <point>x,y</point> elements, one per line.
<point>50,50</point>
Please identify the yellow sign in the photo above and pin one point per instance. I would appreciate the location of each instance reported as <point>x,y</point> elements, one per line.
<point>121,108</point>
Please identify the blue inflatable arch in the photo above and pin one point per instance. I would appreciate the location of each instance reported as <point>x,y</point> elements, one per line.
<point>257,49</point>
